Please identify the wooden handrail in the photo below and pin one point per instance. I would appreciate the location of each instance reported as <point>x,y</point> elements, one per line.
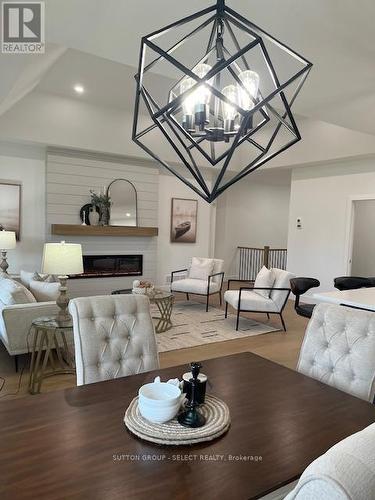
<point>271,249</point>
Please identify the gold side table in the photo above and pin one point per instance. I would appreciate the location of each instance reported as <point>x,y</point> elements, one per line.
<point>164,302</point>
<point>49,344</point>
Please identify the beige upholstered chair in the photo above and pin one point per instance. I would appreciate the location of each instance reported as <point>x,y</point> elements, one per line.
<point>207,285</point>
<point>247,300</point>
<point>345,472</point>
<point>339,349</point>
<point>113,336</point>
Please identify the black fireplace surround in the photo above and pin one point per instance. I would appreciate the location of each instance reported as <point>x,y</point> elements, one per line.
<point>107,266</point>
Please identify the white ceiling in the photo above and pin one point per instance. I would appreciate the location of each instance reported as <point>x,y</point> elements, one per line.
<point>336,35</point>
<point>105,82</point>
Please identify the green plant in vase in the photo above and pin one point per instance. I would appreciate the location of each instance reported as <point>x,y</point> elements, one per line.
<point>103,202</point>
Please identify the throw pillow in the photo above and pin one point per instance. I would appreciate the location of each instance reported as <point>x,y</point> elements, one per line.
<point>27,277</point>
<point>45,292</point>
<point>48,278</point>
<point>12,292</point>
<point>201,268</point>
<point>265,279</point>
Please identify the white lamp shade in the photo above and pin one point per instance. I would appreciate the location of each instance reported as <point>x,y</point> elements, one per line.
<point>62,259</point>
<point>7,240</point>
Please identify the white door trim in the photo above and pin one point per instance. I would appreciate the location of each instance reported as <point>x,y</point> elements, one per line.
<point>350,219</point>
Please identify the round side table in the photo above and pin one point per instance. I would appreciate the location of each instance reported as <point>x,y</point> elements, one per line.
<point>49,336</point>
<point>164,302</point>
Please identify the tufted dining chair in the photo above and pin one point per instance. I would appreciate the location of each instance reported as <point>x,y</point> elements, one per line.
<point>113,337</point>
<point>339,349</point>
<point>345,472</point>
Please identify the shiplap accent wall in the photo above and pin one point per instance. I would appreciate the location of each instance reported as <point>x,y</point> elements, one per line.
<point>68,184</point>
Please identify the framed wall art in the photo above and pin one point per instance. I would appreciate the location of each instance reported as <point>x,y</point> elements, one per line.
<point>184,220</point>
<point>10,207</point>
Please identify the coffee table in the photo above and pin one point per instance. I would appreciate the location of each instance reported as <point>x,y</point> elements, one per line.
<point>73,443</point>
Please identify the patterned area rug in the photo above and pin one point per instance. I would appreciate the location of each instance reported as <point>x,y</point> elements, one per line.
<point>192,326</point>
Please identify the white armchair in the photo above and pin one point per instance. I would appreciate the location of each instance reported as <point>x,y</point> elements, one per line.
<point>339,349</point>
<point>247,299</point>
<point>113,337</point>
<point>204,277</point>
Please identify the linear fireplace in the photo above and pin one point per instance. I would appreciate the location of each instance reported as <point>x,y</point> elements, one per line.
<point>106,266</point>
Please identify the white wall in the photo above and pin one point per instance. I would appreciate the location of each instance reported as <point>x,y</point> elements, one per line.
<point>173,256</point>
<point>69,180</point>
<point>363,259</point>
<point>27,166</point>
<point>323,142</point>
<point>251,213</point>
<point>321,196</point>
<point>56,120</point>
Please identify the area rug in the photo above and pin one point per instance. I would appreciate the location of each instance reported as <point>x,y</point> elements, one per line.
<point>192,327</point>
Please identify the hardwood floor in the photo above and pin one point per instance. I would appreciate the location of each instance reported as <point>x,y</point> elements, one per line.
<point>278,346</point>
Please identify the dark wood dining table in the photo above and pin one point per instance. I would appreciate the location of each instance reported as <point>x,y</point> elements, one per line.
<point>73,444</point>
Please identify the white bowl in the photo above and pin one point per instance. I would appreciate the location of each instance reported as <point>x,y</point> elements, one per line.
<point>160,394</point>
<point>159,401</point>
<point>158,415</point>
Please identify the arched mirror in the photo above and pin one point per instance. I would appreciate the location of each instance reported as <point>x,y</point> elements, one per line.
<point>123,203</point>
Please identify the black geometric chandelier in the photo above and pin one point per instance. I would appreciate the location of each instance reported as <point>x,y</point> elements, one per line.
<point>224,106</point>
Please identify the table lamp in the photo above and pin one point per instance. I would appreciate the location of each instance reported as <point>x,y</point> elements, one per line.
<point>7,242</point>
<point>62,259</point>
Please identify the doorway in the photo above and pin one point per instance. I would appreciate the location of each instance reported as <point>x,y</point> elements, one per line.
<point>362,262</point>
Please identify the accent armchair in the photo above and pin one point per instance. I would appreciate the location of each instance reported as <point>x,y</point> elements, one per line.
<point>207,283</point>
<point>246,299</point>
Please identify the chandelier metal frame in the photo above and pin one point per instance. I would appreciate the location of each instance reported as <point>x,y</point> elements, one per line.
<point>183,142</point>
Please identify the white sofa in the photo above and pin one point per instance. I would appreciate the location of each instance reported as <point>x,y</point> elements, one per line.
<point>16,319</point>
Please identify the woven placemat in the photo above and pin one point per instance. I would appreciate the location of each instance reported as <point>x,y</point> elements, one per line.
<point>172,433</point>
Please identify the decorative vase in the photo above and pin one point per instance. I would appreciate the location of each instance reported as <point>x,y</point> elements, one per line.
<point>94,216</point>
<point>104,216</point>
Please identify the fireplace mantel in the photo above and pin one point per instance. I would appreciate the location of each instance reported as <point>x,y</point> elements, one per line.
<point>79,230</point>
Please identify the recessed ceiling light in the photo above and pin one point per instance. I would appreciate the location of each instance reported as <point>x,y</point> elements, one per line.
<point>79,88</point>
<point>128,214</point>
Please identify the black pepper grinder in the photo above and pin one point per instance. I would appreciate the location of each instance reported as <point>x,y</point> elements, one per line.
<point>191,417</point>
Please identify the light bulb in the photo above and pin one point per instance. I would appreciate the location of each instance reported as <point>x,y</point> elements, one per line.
<point>203,93</point>
<point>250,81</point>
<point>195,105</point>
<point>229,112</point>
<point>202,97</point>
<point>230,92</point>
<point>188,104</point>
